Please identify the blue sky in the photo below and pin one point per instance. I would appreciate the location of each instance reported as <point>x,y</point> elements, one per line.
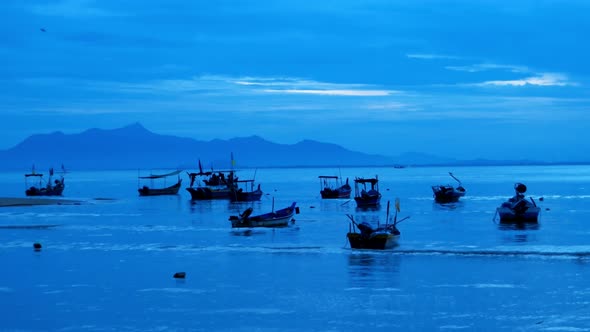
<point>463,79</point>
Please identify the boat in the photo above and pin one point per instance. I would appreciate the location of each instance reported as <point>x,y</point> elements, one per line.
<point>278,218</point>
<point>518,208</point>
<point>244,191</point>
<point>380,237</point>
<point>447,193</point>
<point>332,187</point>
<point>51,188</point>
<point>151,191</point>
<point>367,198</point>
<point>215,185</point>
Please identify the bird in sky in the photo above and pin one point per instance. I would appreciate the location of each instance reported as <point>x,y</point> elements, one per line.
<point>43,30</point>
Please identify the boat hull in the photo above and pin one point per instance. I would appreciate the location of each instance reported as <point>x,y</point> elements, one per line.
<point>172,190</point>
<point>328,193</point>
<point>367,201</point>
<point>381,241</point>
<point>508,215</point>
<point>245,196</point>
<point>249,223</point>
<point>54,191</point>
<point>204,193</point>
<point>447,194</point>
<point>279,218</point>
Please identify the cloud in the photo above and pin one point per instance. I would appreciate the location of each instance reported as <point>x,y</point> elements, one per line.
<point>489,66</point>
<point>72,8</point>
<point>282,85</point>
<point>391,106</point>
<point>543,79</point>
<point>349,93</point>
<point>423,56</point>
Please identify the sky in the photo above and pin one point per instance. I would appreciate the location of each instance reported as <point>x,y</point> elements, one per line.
<point>504,80</point>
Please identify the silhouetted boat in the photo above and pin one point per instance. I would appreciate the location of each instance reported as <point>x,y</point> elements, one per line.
<point>381,237</point>
<point>447,193</point>
<point>518,208</point>
<point>51,187</point>
<point>215,185</point>
<point>279,218</point>
<point>332,187</point>
<point>151,191</point>
<point>246,193</point>
<point>367,198</point>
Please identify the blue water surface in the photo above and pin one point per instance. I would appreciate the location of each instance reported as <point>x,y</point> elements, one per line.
<point>107,264</point>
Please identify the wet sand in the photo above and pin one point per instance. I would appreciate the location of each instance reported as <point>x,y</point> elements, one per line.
<point>16,201</point>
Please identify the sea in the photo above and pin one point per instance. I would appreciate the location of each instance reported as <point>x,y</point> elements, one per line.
<point>107,264</point>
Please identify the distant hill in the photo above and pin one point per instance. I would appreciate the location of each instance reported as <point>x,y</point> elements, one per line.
<point>134,146</point>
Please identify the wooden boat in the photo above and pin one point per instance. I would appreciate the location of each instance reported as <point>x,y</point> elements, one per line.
<point>381,237</point>
<point>518,208</point>
<point>367,198</point>
<point>279,218</point>
<point>215,185</point>
<point>448,193</point>
<point>151,191</point>
<point>51,188</point>
<point>332,187</point>
<point>246,193</point>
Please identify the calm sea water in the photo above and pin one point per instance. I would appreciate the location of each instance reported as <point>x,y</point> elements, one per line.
<point>108,264</point>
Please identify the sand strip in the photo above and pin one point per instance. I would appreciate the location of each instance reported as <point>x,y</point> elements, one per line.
<point>15,201</point>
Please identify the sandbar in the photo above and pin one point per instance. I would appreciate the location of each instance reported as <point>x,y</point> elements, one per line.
<point>16,201</point>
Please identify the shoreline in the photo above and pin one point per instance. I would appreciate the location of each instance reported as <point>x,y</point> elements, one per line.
<point>19,201</point>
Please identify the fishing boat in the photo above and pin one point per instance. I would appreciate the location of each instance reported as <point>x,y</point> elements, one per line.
<point>380,238</point>
<point>332,187</point>
<point>278,218</point>
<point>244,191</point>
<point>211,185</point>
<point>367,198</point>
<point>151,191</point>
<point>447,193</point>
<point>50,188</point>
<point>518,208</point>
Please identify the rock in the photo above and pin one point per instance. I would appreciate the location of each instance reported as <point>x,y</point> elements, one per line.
<point>179,275</point>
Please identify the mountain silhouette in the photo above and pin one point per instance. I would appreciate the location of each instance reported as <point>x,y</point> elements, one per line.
<point>134,146</point>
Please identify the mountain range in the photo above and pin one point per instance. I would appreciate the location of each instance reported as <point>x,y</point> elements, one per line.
<point>135,147</point>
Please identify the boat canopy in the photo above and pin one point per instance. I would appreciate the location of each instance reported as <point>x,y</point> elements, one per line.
<point>33,174</point>
<point>361,180</point>
<point>327,177</point>
<point>159,176</point>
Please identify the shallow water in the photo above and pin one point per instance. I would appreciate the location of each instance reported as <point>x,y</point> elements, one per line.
<point>107,265</point>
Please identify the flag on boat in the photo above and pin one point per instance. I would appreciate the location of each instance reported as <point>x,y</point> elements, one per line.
<point>397,204</point>
<point>233,162</point>
<point>51,171</point>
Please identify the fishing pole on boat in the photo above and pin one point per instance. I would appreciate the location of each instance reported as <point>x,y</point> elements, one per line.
<point>353,222</point>
<point>386,216</point>
<point>451,174</point>
<point>345,202</point>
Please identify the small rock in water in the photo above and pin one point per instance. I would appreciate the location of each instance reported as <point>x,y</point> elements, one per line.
<point>547,209</point>
<point>312,207</point>
<point>541,199</point>
<point>37,246</point>
<point>179,275</point>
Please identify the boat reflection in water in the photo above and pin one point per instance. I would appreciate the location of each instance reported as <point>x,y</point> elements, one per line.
<point>373,269</point>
